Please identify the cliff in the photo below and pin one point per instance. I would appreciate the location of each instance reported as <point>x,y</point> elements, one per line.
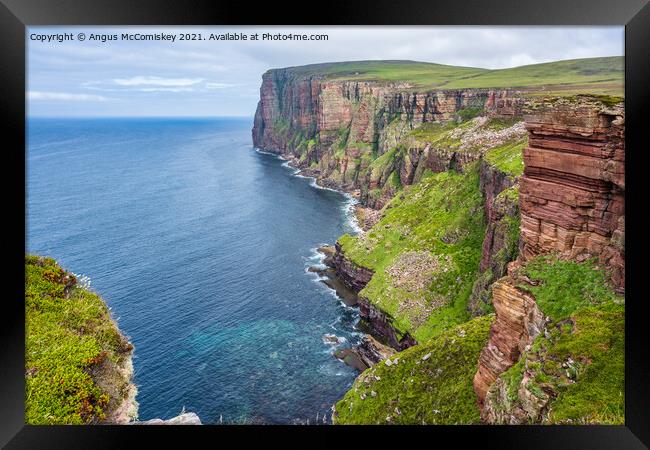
<point>554,351</point>
<point>351,134</point>
<point>573,188</point>
<point>78,364</point>
<point>572,207</point>
<point>463,202</point>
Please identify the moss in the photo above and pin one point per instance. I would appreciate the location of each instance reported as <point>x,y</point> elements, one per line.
<point>430,384</point>
<point>69,337</point>
<point>440,216</point>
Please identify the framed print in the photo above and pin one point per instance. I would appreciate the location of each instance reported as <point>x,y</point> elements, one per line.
<point>390,220</point>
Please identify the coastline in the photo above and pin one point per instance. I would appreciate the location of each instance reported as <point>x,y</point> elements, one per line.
<point>368,351</point>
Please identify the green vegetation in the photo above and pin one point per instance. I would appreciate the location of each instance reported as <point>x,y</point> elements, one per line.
<point>418,73</point>
<point>564,286</point>
<point>431,383</point>
<point>71,344</point>
<point>578,366</point>
<point>435,227</point>
<point>468,113</point>
<point>508,157</point>
<point>438,134</point>
<point>594,75</point>
<point>597,75</point>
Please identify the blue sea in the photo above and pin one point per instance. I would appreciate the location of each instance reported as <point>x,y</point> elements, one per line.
<point>200,246</point>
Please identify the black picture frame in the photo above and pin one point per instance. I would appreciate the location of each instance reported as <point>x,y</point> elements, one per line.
<point>16,15</point>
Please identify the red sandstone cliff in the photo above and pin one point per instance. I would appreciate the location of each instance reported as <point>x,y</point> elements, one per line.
<point>571,202</point>
<point>334,129</point>
<point>573,189</point>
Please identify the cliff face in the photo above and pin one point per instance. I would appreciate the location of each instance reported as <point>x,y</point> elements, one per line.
<point>518,322</point>
<point>572,205</point>
<point>573,188</point>
<point>335,129</point>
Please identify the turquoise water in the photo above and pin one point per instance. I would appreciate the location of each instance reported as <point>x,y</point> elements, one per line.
<point>200,245</point>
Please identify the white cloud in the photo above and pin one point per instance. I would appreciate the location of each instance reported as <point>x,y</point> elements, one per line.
<point>156,81</point>
<point>64,96</point>
<point>162,89</point>
<point>215,85</point>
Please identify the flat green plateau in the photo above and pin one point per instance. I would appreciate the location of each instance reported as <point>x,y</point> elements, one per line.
<point>588,75</point>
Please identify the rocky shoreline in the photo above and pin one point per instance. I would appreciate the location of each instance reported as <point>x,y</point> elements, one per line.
<point>346,280</point>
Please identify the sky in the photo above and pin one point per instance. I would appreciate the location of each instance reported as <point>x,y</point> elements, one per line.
<point>91,78</point>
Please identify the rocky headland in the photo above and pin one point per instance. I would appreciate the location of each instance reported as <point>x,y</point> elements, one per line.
<point>79,365</point>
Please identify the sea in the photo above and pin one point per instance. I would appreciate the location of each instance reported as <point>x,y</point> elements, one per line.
<point>200,246</point>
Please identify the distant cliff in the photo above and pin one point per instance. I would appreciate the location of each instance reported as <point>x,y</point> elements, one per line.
<point>338,129</point>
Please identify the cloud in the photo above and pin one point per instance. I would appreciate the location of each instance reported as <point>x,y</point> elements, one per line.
<point>156,81</point>
<point>215,85</point>
<point>64,96</point>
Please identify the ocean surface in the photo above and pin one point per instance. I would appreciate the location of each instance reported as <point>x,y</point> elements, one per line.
<point>200,246</point>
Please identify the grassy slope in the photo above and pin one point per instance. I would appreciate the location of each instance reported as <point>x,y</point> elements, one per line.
<point>596,75</point>
<point>441,217</point>
<point>431,383</point>
<point>68,338</point>
<point>582,360</point>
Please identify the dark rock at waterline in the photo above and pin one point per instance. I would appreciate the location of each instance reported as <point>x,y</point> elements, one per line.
<point>330,279</point>
<point>351,358</point>
<point>328,251</point>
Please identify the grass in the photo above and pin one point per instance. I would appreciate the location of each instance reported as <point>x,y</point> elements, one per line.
<point>595,75</point>
<point>508,157</point>
<point>70,337</point>
<point>565,286</point>
<point>577,367</point>
<point>430,384</point>
<point>440,218</point>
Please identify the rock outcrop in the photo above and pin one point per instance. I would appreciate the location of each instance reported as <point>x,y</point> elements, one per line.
<point>518,322</point>
<point>571,204</point>
<point>185,418</point>
<point>572,194</point>
<point>353,276</point>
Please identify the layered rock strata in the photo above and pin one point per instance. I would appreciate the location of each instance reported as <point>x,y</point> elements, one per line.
<point>518,322</point>
<point>334,129</point>
<point>572,203</point>
<point>572,194</point>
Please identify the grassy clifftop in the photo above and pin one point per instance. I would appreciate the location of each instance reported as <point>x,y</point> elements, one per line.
<point>424,252</point>
<point>78,364</point>
<point>574,373</point>
<point>430,383</point>
<point>597,75</point>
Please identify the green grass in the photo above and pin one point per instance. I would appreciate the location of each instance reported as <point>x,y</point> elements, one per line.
<point>565,286</point>
<point>440,217</point>
<point>437,134</point>
<point>596,75</point>
<point>418,73</point>
<point>69,337</point>
<point>577,366</point>
<point>508,157</point>
<point>421,389</point>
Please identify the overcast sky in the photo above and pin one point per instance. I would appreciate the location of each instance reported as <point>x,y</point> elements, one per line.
<point>222,78</point>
